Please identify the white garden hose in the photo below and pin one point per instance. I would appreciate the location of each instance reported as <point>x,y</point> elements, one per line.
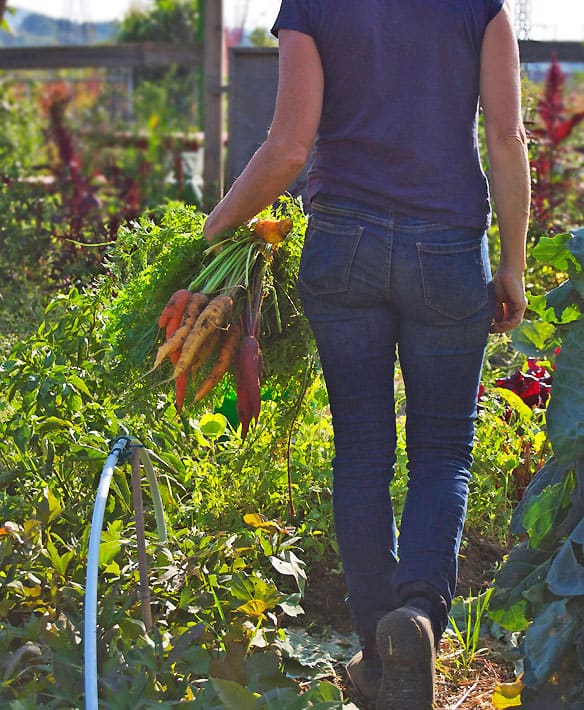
<point>119,454</point>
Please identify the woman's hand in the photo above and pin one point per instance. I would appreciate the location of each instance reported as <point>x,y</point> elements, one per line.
<point>510,300</point>
<point>210,231</point>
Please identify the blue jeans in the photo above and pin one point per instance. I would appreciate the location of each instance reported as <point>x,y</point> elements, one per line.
<point>374,281</point>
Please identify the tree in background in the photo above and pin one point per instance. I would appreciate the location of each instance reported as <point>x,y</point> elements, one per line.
<point>176,22</point>
<point>261,37</point>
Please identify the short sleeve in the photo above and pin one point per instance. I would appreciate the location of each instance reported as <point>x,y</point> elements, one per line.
<point>293,15</point>
<point>493,8</point>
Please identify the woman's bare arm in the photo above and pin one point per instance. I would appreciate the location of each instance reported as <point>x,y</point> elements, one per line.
<point>281,157</point>
<point>509,164</point>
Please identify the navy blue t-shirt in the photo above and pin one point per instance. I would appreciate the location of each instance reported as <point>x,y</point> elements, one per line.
<point>399,121</point>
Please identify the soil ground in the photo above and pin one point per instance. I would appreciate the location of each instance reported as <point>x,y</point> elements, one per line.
<point>458,687</point>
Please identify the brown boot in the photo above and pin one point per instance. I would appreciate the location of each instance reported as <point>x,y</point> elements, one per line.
<point>364,672</point>
<point>405,643</point>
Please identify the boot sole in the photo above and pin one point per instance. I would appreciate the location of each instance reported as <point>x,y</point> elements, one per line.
<point>405,644</point>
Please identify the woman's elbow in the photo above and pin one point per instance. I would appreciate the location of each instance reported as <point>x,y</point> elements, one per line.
<point>515,136</point>
<point>506,136</point>
<point>292,155</point>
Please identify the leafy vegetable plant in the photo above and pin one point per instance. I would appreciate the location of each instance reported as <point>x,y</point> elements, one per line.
<point>539,592</point>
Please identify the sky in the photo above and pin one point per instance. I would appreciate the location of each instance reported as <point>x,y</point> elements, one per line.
<point>560,19</point>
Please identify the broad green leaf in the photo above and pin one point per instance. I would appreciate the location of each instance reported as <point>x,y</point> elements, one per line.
<point>565,413</point>
<point>32,531</point>
<point>264,673</point>
<point>322,693</point>
<point>21,436</point>
<point>550,473</point>
<point>537,303</point>
<point>233,695</point>
<point>247,588</point>
<point>50,507</point>
<point>231,665</point>
<point>563,303</point>
<point>534,338</point>
<point>107,551</point>
<point>541,518</point>
<point>78,383</point>
<point>59,562</point>
<point>279,698</point>
<point>213,425</point>
<point>554,251</point>
<point>546,641</point>
<point>523,568</point>
<point>242,587</point>
<point>566,575</point>
<point>512,618</point>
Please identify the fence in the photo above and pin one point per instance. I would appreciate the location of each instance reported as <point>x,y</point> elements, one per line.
<point>252,85</point>
<point>208,55</point>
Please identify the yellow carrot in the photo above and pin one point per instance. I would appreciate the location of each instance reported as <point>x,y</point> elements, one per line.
<point>195,306</point>
<point>214,317</point>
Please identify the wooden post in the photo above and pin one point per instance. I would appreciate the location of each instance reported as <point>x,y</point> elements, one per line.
<point>144,594</point>
<point>213,113</point>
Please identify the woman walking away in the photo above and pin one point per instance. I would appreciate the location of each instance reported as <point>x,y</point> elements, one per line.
<point>384,96</point>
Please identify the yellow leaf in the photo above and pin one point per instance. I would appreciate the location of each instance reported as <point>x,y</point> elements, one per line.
<point>508,695</point>
<point>255,520</point>
<point>32,530</point>
<point>253,607</point>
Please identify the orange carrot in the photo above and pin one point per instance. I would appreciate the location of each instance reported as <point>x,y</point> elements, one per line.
<point>180,390</point>
<point>227,351</point>
<point>271,230</point>
<point>194,307</point>
<point>177,302</point>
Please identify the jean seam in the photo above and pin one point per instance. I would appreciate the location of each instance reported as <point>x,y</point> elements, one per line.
<point>341,212</point>
<point>389,261</point>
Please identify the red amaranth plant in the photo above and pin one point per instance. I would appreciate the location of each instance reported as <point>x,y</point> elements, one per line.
<point>533,386</point>
<point>551,172</point>
<point>81,201</point>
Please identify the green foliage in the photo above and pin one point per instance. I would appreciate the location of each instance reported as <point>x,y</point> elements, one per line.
<point>560,322</point>
<point>156,256</point>
<point>214,609</point>
<point>540,589</point>
<point>509,440</point>
<point>465,619</point>
<point>217,602</point>
<point>174,21</point>
<point>25,232</point>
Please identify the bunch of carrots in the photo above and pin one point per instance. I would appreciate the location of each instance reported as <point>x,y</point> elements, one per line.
<point>208,320</point>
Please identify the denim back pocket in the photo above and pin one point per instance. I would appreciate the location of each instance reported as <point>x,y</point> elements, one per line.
<point>328,255</point>
<point>454,278</point>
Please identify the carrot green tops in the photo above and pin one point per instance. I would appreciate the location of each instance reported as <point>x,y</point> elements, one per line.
<point>399,121</point>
